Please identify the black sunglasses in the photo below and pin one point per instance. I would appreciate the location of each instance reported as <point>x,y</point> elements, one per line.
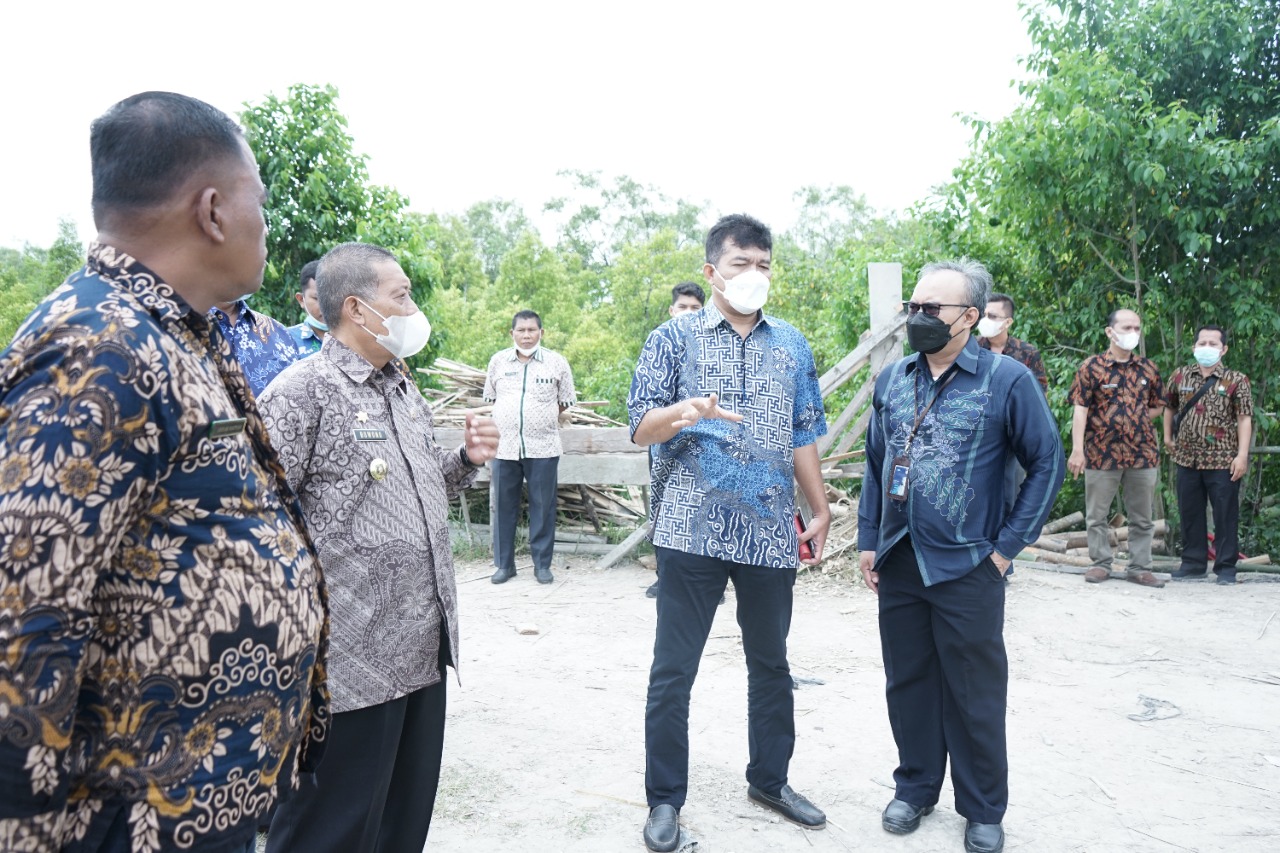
<point>930,308</point>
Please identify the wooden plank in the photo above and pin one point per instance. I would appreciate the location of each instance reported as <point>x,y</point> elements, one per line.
<point>626,546</point>
<point>602,469</point>
<point>854,361</point>
<point>576,441</point>
<point>850,412</point>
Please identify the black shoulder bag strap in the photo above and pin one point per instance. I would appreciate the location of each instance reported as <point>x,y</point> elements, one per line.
<point>1209,381</point>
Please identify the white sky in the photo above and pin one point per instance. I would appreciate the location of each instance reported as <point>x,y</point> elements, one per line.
<point>736,104</point>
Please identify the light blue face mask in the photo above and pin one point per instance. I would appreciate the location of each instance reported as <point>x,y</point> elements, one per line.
<point>1207,356</point>
<point>313,322</point>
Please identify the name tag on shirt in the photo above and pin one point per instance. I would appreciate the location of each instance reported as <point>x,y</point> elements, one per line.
<point>1111,386</point>
<point>230,426</point>
<point>370,434</point>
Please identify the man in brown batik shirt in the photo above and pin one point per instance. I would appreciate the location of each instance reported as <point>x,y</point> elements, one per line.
<point>355,438</point>
<point>1211,451</point>
<point>1116,395</point>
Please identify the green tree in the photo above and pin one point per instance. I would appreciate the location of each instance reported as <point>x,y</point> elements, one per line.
<point>29,275</point>
<point>319,195</point>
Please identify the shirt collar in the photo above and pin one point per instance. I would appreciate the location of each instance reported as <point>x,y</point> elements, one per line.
<point>246,314</point>
<point>132,275</point>
<point>355,367</point>
<point>712,317</point>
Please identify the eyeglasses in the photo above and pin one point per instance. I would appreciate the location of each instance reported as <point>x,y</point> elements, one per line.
<point>930,308</point>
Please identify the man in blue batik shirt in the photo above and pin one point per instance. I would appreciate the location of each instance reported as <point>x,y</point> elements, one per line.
<point>728,398</point>
<point>937,538</point>
<point>261,344</point>
<point>308,336</point>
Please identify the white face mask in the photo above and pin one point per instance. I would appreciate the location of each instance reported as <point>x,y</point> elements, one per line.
<point>527,352</point>
<point>406,334</point>
<point>746,292</point>
<point>989,328</point>
<point>1128,341</point>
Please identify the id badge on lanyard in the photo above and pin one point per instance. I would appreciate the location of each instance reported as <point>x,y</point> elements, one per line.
<point>900,474</point>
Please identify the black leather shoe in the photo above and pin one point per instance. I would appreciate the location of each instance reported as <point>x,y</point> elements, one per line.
<point>543,575</point>
<point>1187,574</point>
<point>652,591</point>
<point>503,575</point>
<point>901,818</point>
<point>662,829</point>
<point>983,837</point>
<point>1225,579</point>
<point>794,807</point>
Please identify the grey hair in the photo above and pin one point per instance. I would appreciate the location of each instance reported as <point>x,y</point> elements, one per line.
<point>348,270</point>
<point>976,277</point>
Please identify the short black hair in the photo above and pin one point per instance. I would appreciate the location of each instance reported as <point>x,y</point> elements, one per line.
<point>1006,299</point>
<point>745,232</point>
<point>688,288</point>
<point>1111,318</point>
<point>526,314</point>
<point>1212,327</point>
<point>308,273</point>
<point>144,147</point>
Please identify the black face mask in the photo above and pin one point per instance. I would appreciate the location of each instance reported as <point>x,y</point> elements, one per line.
<point>927,334</point>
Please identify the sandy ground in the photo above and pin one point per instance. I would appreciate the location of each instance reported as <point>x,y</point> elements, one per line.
<point>545,748</point>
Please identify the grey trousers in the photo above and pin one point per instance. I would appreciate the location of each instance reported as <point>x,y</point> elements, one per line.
<point>1138,490</point>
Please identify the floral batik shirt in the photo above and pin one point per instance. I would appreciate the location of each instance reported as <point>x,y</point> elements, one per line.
<point>357,445</point>
<point>261,344</point>
<point>162,614</point>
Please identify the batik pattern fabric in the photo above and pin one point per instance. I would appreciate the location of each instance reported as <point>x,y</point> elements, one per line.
<point>990,410</point>
<point>305,339</point>
<point>1025,354</point>
<point>162,613</point>
<point>357,445</point>
<point>1119,395</point>
<point>1209,434</point>
<point>723,489</point>
<point>527,399</point>
<point>261,344</point>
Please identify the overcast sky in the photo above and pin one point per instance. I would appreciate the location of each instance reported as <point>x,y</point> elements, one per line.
<point>734,104</point>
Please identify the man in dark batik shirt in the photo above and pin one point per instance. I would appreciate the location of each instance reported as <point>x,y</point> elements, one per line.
<point>161,609</point>
<point>1116,396</point>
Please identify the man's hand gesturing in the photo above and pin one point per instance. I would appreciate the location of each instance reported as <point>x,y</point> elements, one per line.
<point>696,408</point>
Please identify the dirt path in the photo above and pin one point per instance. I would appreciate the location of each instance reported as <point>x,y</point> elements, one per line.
<point>545,745</point>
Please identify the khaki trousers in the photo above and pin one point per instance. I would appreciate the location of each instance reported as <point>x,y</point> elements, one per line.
<point>1138,489</point>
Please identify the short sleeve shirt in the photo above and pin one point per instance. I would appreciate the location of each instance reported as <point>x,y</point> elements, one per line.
<point>527,398</point>
<point>1025,354</point>
<point>723,489</point>
<point>1208,435</point>
<point>1118,432</point>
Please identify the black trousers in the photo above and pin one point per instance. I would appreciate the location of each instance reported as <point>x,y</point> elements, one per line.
<point>687,600</point>
<point>1213,487</point>
<point>375,788</point>
<point>947,679</point>
<point>508,477</point>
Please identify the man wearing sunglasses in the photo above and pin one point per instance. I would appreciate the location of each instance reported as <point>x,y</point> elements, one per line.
<point>945,423</point>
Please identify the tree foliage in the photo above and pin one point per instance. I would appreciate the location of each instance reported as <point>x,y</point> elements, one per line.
<point>30,274</point>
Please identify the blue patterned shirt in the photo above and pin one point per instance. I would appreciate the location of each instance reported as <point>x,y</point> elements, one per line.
<point>260,343</point>
<point>162,613</point>
<point>722,489</point>
<point>956,511</point>
<point>305,339</point>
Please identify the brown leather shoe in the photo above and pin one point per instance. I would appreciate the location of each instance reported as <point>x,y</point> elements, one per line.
<point>1143,577</point>
<point>1097,574</point>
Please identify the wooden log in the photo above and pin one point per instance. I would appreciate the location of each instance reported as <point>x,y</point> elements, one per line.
<point>1067,522</point>
<point>1050,543</point>
<point>1117,574</point>
<point>1260,560</point>
<point>625,546</point>
<point>1080,539</point>
<point>1062,559</point>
